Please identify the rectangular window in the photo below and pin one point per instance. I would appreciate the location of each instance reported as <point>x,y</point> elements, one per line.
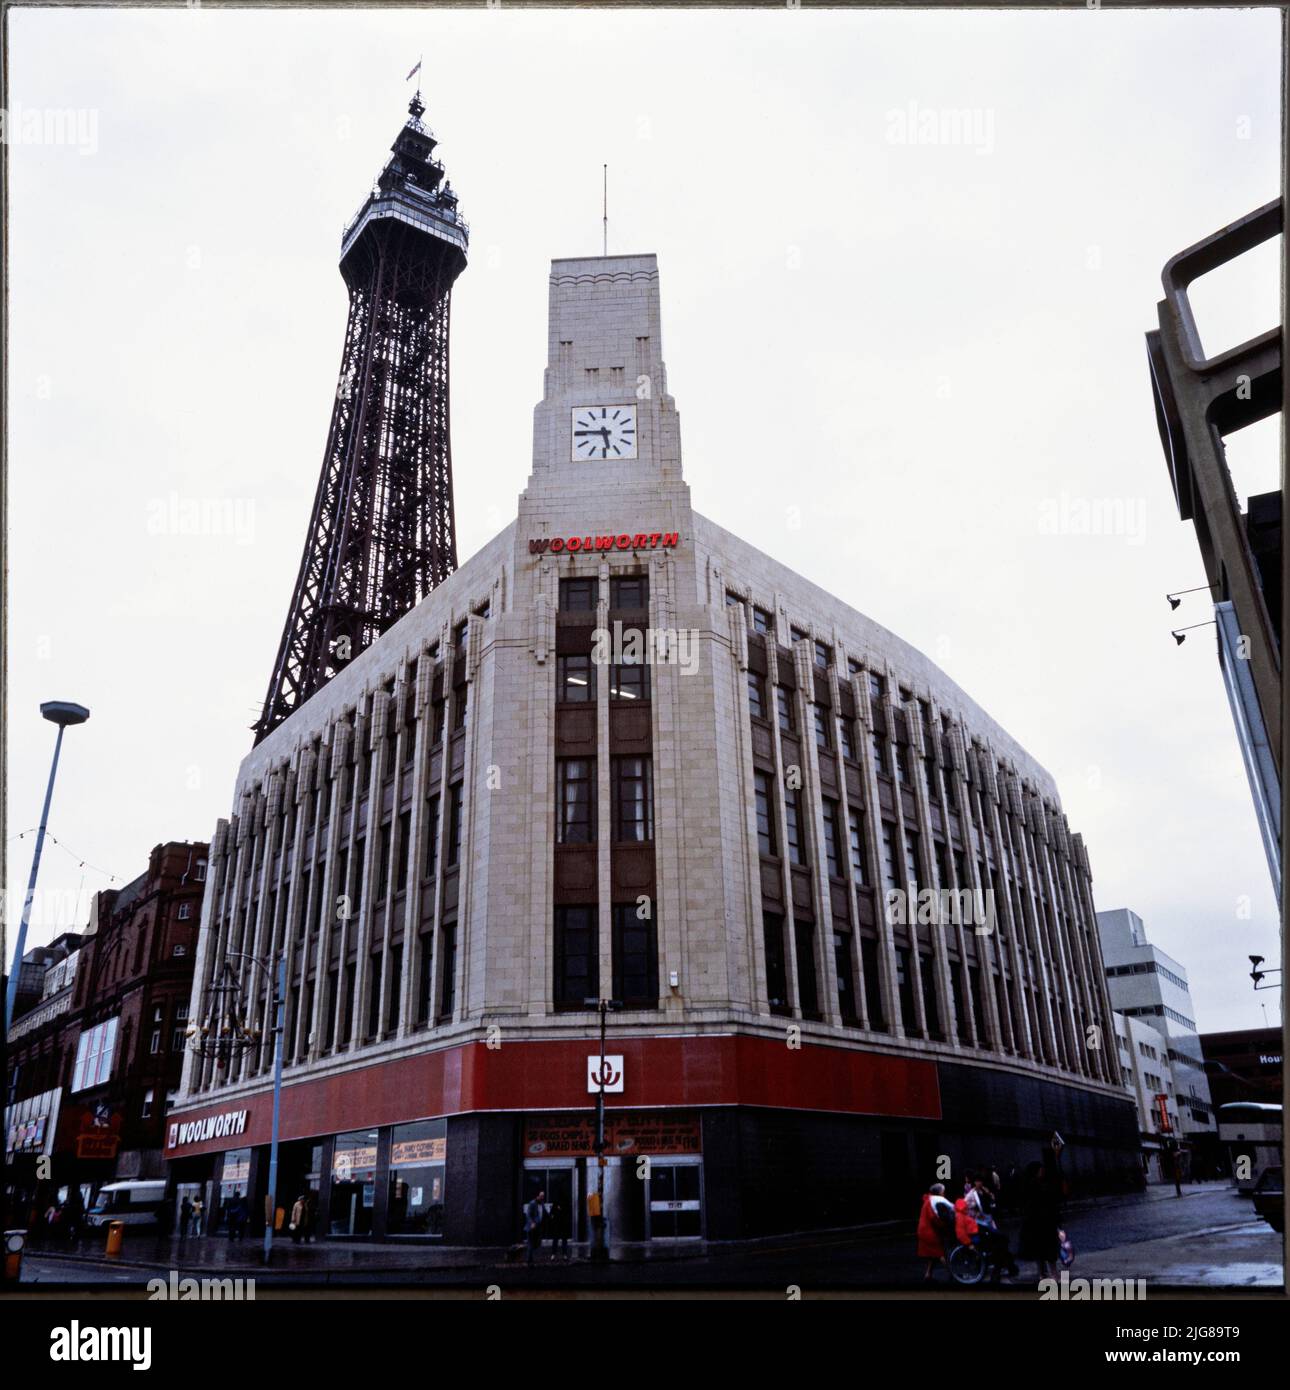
<point>575,801</point>
<point>199,872</point>
<point>760,619</point>
<point>460,705</point>
<point>575,679</point>
<point>177,1039</point>
<point>784,704</point>
<point>347,1006</point>
<point>360,849</point>
<point>931,1012</point>
<point>629,681</point>
<point>577,956</point>
<point>418,1154</point>
<point>823,718</point>
<point>797,635</point>
<point>635,957</point>
<point>846,976</point>
<point>628,592</point>
<point>432,836</point>
<point>425,976</point>
<point>905,987</point>
<point>633,799</point>
<point>448,988</point>
<point>807,993</point>
<point>855,826</point>
<point>913,859</point>
<point>877,686</point>
<point>578,595</point>
<point>374,998</point>
<point>890,879</point>
<point>185,911</point>
<point>776,974</point>
<point>147,1104</point>
<point>766,838</point>
<point>154,1042</point>
<point>846,735</point>
<point>438,712</point>
<point>902,764</point>
<point>823,654</point>
<point>383,864</point>
<point>872,984</point>
<point>878,743</point>
<point>453,850</point>
<point>405,850</point>
<point>794,830</point>
<point>756,695</point>
<point>833,838</point>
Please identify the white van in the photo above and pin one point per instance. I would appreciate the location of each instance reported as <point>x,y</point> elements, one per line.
<point>135,1203</point>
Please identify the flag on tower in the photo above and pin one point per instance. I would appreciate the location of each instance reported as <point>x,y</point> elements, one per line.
<point>414,71</point>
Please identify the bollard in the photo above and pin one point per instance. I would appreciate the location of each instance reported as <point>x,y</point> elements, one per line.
<point>115,1237</point>
<point>14,1243</point>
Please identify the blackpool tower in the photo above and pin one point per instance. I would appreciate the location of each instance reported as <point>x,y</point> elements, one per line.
<point>381,534</point>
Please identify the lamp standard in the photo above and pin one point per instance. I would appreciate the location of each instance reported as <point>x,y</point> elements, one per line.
<point>62,713</point>
<point>226,1034</point>
<point>599,1248</point>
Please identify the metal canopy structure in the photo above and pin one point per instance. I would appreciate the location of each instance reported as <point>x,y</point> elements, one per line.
<point>382,532</point>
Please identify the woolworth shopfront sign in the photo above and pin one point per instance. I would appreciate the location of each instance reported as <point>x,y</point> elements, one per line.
<point>212,1127</point>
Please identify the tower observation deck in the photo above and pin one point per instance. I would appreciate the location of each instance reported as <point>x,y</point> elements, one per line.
<point>382,532</point>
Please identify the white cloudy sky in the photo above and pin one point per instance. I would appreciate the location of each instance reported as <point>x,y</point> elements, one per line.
<point>894,363</point>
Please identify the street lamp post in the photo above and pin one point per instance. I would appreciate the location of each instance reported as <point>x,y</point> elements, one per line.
<point>62,713</point>
<point>599,1247</point>
<point>226,1035</point>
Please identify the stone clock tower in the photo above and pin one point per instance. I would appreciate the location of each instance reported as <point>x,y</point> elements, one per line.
<point>605,412</point>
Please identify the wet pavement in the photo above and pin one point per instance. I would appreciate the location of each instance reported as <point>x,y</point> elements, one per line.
<point>1207,1238</point>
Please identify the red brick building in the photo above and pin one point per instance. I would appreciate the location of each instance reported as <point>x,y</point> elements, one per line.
<point>116,1052</point>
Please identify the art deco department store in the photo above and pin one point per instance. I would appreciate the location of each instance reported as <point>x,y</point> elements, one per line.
<point>476,828</point>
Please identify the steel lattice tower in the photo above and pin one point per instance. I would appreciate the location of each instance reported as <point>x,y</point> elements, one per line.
<point>382,533</point>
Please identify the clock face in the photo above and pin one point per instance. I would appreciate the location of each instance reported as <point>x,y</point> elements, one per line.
<point>603,432</point>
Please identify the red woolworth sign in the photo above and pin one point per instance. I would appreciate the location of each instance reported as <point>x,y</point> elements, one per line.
<point>641,540</point>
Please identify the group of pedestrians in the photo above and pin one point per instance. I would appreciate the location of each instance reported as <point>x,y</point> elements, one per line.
<point>973,1218</point>
<point>545,1220</point>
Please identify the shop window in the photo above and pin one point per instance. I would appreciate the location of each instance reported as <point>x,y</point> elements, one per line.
<point>635,948</point>
<point>353,1184</point>
<point>577,956</point>
<point>418,1161</point>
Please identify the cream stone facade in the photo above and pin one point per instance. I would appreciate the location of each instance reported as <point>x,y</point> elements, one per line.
<point>405,839</point>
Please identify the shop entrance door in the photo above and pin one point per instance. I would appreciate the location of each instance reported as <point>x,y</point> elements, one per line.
<point>674,1210</point>
<point>559,1180</point>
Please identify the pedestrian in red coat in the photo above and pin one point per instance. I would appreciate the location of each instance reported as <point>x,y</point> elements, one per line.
<point>933,1222</point>
<point>965,1224</point>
